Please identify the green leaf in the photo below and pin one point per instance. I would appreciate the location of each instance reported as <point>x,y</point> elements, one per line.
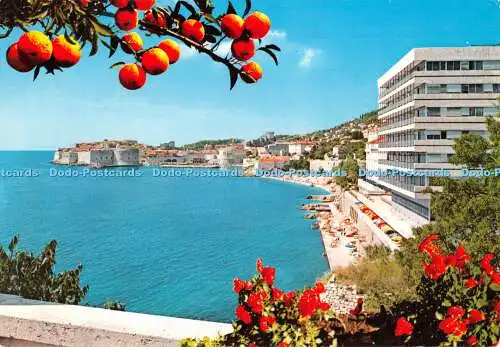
<point>446,303</point>
<point>189,7</point>
<point>439,315</point>
<point>211,30</point>
<point>210,38</point>
<point>95,45</point>
<point>13,243</point>
<point>495,287</point>
<point>233,75</point>
<point>114,42</point>
<point>271,54</point>
<point>230,8</point>
<point>115,65</point>
<point>69,38</point>
<point>36,72</point>
<point>247,8</point>
<point>274,47</point>
<point>100,28</point>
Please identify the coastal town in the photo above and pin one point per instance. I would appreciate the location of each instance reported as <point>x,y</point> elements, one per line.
<point>355,212</point>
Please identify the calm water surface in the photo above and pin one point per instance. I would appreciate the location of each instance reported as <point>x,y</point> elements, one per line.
<point>162,245</point>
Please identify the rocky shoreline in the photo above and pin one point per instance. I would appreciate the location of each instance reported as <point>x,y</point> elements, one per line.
<point>341,298</point>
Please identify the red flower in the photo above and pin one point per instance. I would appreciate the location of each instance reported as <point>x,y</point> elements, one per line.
<point>436,268</point>
<point>476,316</point>
<point>323,306</point>
<point>259,265</point>
<point>248,285</point>
<point>427,245</point>
<point>452,326</point>
<point>403,327</point>
<point>288,298</point>
<point>239,285</point>
<point>472,340</point>
<point>243,315</point>
<point>252,344</point>
<point>495,278</point>
<point>486,263</point>
<point>308,303</point>
<point>266,322</point>
<point>496,308</point>
<point>451,261</point>
<point>471,283</point>
<point>455,312</point>
<point>320,287</point>
<point>277,294</point>
<point>461,257</point>
<point>255,301</point>
<point>283,344</point>
<point>268,275</point>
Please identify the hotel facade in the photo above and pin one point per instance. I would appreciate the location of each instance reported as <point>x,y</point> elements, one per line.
<point>426,100</point>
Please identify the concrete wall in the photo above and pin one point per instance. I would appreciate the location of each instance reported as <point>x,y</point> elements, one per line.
<point>67,325</point>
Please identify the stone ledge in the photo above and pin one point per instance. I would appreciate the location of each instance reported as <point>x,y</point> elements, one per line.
<point>68,325</point>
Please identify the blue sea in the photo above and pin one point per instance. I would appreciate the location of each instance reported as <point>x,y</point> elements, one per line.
<point>161,245</point>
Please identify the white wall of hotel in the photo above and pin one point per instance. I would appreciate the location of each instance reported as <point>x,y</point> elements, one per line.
<point>25,321</point>
<point>426,100</point>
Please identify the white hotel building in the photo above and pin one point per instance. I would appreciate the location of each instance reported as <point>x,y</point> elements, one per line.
<point>426,100</point>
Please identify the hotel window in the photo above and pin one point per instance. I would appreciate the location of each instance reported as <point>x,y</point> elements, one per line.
<point>453,88</point>
<point>433,111</point>
<point>465,88</point>
<point>475,65</point>
<point>475,88</point>
<point>491,65</point>
<point>496,88</point>
<point>452,65</point>
<point>476,111</point>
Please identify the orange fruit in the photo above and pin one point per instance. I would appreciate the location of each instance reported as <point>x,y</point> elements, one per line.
<point>34,47</point>
<point>254,70</point>
<point>134,41</point>
<point>144,5</point>
<point>232,25</point>
<point>193,30</point>
<point>132,76</point>
<point>172,49</point>
<point>119,3</point>
<point>126,19</point>
<point>155,61</point>
<point>159,21</point>
<point>15,62</point>
<point>65,53</point>
<point>243,49</point>
<point>257,24</point>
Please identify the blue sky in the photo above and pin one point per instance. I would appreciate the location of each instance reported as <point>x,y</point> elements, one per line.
<point>333,52</point>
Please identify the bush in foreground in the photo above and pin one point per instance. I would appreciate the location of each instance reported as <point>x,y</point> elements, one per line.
<point>267,316</point>
<point>459,300</point>
<point>32,276</point>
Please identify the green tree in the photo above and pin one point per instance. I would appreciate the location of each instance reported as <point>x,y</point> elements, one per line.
<point>471,151</point>
<point>33,277</point>
<point>350,180</point>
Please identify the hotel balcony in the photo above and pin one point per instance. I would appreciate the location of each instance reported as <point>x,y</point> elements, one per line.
<point>441,73</point>
<point>417,166</point>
